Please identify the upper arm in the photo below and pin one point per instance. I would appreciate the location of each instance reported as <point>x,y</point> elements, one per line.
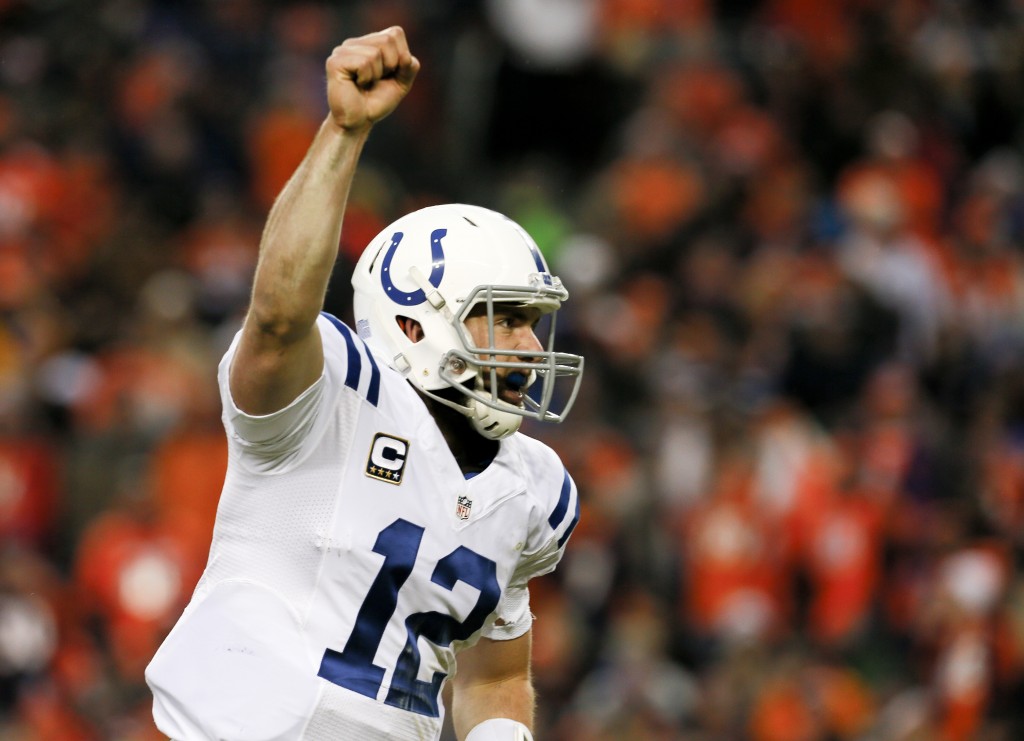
<point>493,681</point>
<point>270,369</point>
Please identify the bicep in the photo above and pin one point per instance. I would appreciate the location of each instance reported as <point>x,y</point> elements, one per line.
<point>267,372</point>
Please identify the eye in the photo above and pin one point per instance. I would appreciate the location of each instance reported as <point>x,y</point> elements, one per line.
<point>512,320</point>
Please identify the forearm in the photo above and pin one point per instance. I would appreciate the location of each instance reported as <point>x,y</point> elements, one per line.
<point>300,241</point>
<point>280,352</point>
<point>474,703</point>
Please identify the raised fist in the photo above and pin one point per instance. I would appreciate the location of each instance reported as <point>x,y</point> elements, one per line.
<point>368,76</point>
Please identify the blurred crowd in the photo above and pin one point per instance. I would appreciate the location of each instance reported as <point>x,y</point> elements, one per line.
<point>793,233</point>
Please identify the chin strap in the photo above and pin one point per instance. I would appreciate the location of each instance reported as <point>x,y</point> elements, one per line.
<point>493,424</point>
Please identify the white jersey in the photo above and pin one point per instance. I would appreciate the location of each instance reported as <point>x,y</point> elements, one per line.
<point>350,560</point>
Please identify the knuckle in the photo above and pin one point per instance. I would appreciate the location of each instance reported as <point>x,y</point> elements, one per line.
<point>337,56</point>
<point>396,35</point>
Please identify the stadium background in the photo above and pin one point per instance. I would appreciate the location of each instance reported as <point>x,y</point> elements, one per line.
<point>792,231</point>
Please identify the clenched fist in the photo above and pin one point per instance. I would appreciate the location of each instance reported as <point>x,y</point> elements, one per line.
<point>368,76</point>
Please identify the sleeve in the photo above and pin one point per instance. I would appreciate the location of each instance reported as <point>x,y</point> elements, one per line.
<point>555,531</point>
<point>275,438</point>
<point>268,435</point>
<point>548,542</point>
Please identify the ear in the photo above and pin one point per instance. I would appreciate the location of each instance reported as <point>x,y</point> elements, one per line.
<point>412,329</point>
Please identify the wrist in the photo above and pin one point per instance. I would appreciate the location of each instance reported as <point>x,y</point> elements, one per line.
<point>500,729</point>
<point>340,147</point>
<point>359,133</point>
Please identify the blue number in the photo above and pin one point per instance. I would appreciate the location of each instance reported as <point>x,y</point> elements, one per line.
<point>353,667</point>
<point>440,629</point>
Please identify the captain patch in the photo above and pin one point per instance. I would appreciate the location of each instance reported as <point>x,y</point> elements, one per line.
<point>387,458</point>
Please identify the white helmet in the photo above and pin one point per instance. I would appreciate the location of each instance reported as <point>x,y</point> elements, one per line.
<point>434,266</point>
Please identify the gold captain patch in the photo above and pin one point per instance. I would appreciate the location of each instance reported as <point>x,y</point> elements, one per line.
<point>387,458</point>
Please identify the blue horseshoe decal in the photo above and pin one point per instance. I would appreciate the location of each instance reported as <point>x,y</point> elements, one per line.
<point>412,298</point>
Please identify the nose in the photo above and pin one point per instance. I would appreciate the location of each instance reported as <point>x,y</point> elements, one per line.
<point>529,343</point>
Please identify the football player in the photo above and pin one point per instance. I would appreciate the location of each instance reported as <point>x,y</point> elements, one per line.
<point>381,515</point>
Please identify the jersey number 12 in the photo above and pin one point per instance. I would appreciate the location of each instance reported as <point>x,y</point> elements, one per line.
<point>353,667</point>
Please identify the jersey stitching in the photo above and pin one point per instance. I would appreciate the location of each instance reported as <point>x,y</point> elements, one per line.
<point>347,457</point>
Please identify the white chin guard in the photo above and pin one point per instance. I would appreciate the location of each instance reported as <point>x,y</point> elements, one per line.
<point>492,423</point>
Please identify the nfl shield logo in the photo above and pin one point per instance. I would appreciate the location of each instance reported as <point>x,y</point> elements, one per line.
<point>462,507</point>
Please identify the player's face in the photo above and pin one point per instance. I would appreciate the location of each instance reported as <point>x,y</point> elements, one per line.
<point>513,328</point>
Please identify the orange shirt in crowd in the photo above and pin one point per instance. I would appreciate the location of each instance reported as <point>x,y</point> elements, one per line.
<point>136,572</point>
<point>736,564</point>
<point>838,535</point>
<point>279,139</point>
<point>188,473</point>
<point>842,556</point>
<point>28,491</point>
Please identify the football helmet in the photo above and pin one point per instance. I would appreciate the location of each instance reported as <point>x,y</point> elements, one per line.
<point>437,265</point>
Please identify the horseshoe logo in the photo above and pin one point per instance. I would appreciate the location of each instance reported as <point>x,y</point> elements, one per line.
<point>412,298</point>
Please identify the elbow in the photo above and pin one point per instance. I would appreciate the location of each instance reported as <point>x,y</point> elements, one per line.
<point>280,325</point>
